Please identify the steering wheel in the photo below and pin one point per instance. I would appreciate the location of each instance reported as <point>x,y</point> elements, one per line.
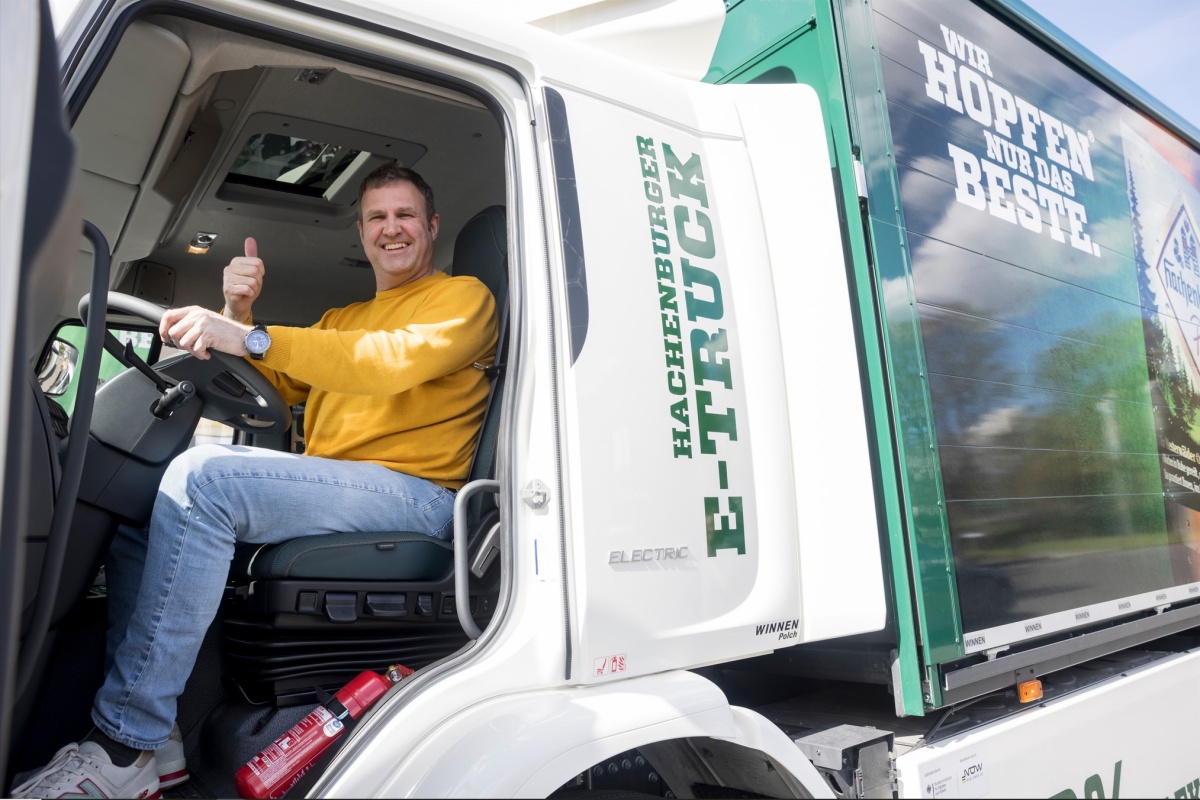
<point>232,390</point>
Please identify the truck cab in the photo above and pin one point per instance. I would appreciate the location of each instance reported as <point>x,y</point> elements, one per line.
<point>181,131</point>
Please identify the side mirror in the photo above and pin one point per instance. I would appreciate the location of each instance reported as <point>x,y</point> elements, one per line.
<point>58,368</point>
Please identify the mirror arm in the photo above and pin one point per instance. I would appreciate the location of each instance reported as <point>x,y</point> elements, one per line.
<point>135,361</point>
<point>129,357</point>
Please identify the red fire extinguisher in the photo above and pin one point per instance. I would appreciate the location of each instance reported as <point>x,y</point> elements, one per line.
<point>274,771</point>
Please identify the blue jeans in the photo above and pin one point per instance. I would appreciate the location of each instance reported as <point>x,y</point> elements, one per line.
<point>165,584</point>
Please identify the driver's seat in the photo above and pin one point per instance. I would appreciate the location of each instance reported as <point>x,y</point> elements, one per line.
<point>314,611</point>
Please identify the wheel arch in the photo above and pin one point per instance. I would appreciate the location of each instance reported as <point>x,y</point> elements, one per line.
<point>530,744</point>
<point>755,757</point>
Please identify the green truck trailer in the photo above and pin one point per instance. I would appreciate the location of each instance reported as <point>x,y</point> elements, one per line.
<point>1021,234</point>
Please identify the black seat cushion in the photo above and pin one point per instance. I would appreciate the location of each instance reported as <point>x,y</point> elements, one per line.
<point>395,555</point>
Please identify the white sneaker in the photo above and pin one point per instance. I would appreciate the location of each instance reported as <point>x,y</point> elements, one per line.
<point>85,770</point>
<point>172,766</point>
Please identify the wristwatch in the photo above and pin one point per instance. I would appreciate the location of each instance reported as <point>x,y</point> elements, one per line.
<point>257,341</point>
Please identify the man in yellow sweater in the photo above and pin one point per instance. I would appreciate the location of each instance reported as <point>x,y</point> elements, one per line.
<point>394,406</point>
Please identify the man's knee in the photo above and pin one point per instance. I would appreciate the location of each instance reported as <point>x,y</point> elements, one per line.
<point>195,466</point>
<point>204,456</point>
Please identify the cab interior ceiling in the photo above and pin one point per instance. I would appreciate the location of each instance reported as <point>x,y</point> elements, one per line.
<point>177,104</point>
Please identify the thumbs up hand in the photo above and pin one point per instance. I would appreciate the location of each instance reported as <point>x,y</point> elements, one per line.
<point>242,282</point>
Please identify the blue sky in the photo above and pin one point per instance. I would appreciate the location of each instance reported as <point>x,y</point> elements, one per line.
<point>1154,43</point>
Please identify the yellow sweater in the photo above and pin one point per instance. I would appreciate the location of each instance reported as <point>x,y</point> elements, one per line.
<point>390,380</point>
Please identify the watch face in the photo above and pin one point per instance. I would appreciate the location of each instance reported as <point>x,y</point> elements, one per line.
<point>257,342</point>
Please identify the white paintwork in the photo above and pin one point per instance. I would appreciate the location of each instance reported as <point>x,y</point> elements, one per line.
<point>841,566</point>
<point>676,37</point>
<point>529,744</point>
<point>70,16</point>
<point>1144,720</point>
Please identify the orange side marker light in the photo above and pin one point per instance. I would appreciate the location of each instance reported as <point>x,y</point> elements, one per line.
<point>1029,691</point>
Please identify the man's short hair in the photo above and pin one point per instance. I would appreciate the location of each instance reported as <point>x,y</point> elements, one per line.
<point>390,172</point>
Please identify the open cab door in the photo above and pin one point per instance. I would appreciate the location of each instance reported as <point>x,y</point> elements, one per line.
<point>721,501</point>
<point>40,228</point>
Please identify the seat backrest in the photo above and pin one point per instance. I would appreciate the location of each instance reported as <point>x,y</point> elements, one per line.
<point>481,250</point>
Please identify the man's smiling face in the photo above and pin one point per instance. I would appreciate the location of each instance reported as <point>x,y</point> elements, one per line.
<point>396,234</point>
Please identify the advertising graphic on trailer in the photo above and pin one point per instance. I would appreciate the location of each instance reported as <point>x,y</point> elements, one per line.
<point>1053,243</point>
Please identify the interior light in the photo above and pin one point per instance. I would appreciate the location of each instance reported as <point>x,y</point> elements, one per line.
<point>201,242</point>
<point>1028,691</point>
